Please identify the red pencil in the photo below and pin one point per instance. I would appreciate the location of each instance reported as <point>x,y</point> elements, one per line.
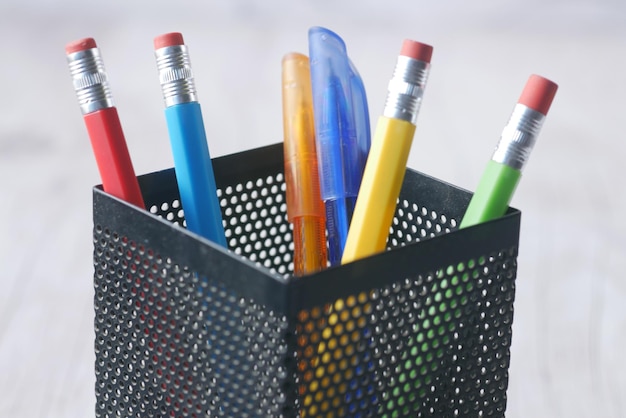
<point>102,121</point>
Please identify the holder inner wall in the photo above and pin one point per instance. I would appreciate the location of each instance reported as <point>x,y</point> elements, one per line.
<point>187,329</point>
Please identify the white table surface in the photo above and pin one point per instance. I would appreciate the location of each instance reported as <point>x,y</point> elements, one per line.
<point>569,333</point>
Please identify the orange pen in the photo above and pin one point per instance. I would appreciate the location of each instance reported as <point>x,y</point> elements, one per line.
<point>305,209</point>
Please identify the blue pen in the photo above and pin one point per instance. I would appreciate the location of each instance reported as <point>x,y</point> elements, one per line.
<point>342,132</point>
<point>192,161</point>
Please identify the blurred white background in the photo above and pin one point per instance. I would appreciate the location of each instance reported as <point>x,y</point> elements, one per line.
<point>569,333</point>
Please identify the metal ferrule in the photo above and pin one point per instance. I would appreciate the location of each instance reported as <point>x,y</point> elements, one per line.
<point>406,89</point>
<point>90,80</point>
<point>518,137</point>
<point>175,75</point>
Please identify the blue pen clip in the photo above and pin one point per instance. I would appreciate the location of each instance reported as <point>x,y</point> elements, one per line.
<point>361,118</point>
<point>342,132</point>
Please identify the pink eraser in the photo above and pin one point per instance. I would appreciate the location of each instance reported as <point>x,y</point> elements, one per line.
<point>538,93</point>
<point>416,50</point>
<point>80,45</point>
<point>168,39</point>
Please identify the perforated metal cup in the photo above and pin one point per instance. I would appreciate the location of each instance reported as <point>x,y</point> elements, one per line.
<point>185,328</point>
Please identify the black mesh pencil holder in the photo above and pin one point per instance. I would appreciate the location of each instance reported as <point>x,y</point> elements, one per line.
<point>185,328</point>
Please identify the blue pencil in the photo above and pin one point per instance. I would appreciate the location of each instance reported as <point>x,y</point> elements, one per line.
<point>192,161</point>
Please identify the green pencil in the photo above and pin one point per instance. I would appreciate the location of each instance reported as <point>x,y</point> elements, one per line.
<point>503,172</point>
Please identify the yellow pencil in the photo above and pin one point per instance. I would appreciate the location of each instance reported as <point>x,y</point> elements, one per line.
<point>386,164</point>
